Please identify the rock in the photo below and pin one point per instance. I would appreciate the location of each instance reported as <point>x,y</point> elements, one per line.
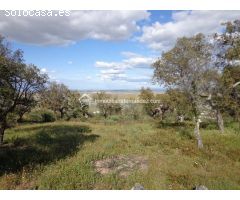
<point>137,186</point>
<point>200,187</point>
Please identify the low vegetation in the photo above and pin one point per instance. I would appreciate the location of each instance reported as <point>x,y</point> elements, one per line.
<point>61,155</point>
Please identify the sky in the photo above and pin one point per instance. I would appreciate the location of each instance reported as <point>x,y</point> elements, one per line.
<point>105,50</point>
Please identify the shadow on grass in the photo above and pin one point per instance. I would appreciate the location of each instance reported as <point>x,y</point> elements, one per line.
<point>164,125</point>
<point>48,144</point>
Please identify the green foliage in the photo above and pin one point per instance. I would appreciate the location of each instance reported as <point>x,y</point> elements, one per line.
<point>55,98</point>
<point>12,120</point>
<point>148,97</point>
<point>210,125</point>
<point>75,108</point>
<point>133,111</point>
<point>48,116</point>
<point>19,83</point>
<point>228,96</point>
<point>186,67</point>
<point>34,116</point>
<point>178,100</point>
<point>41,115</point>
<point>107,104</point>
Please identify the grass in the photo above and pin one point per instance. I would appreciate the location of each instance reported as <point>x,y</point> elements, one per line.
<point>59,155</point>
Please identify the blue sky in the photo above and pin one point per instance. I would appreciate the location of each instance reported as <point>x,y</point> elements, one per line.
<point>105,49</point>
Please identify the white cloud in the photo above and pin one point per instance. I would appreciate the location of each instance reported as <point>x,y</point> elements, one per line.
<point>101,25</point>
<point>138,61</point>
<point>161,36</point>
<point>133,60</point>
<point>110,65</point>
<point>50,73</point>
<point>137,79</point>
<point>70,62</point>
<point>117,70</point>
<point>111,71</point>
<point>89,78</point>
<point>112,74</point>
<point>43,70</point>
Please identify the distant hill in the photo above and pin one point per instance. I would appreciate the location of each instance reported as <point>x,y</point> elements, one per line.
<point>121,91</point>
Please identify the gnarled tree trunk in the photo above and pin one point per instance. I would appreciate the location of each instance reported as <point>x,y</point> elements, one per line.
<point>2,130</point>
<point>197,134</point>
<point>20,119</point>
<point>61,113</point>
<point>3,126</point>
<point>220,121</point>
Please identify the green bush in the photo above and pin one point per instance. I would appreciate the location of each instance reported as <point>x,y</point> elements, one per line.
<point>235,126</point>
<point>34,117</point>
<point>133,111</point>
<point>48,116</point>
<point>40,115</point>
<point>210,125</point>
<point>115,118</point>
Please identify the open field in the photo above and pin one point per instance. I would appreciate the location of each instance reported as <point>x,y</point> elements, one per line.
<point>61,155</point>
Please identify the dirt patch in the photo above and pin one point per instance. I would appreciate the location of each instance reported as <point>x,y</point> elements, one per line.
<point>122,165</point>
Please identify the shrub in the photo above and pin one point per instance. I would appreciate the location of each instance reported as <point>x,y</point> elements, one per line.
<point>34,117</point>
<point>115,118</point>
<point>210,125</point>
<point>133,111</point>
<point>40,115</point>
<point>48,116</point>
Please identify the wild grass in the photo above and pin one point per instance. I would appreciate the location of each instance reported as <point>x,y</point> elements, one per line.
<point>60,155</point>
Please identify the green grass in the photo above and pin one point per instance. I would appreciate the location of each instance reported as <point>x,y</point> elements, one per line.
<point>60,155</point>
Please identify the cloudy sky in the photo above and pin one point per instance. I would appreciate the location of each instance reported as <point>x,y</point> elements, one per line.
<point>105,49</point>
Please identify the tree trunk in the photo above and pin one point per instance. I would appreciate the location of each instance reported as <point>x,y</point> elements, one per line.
<point>20,119</point>
<point>61,113</point>
<point>1,135</point>
<point>220,121</point>
<point>197,134</point>
<point>3,126</point>
<point>181,118</point>
<point>160,116</point>
<point>105,114</point>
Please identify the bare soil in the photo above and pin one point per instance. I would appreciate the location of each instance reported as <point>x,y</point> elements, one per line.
<point>122,165</point>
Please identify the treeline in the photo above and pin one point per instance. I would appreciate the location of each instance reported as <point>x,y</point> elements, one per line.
<point>206,69</point>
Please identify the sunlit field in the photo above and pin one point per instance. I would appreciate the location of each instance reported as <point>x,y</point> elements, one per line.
<point>61,155</point>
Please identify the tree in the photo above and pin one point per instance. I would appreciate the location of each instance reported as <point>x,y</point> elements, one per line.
<point>227,49</point>
<point>162,105</point>
<point>147,96</point>
<point>56,98</point>
<point>180,103</point>
<point>215,96</point>
<point>22,109</point>
<point>19,83</point>
<point>186,67</point>
<point>76,107</point>
<point>231,84</point>
<point>106,104</point>
<point>154,105</point>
